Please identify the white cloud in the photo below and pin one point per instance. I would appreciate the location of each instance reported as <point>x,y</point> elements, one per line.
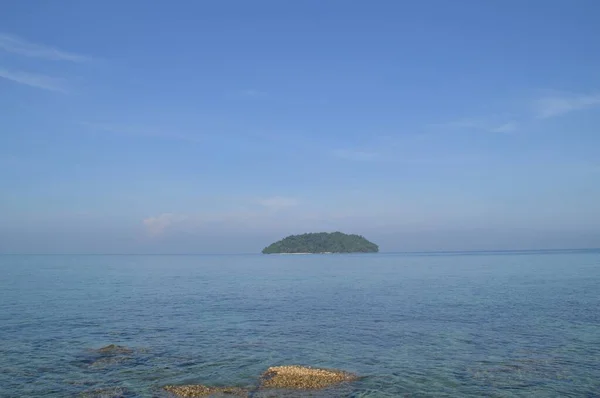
<point>278,202</point>
<point>245,217</point>
<point>172,224</point>
<point>504,128</point>
<point>559,105</point>
<point>459,124</point>
<point>16,45</point>
<point>156,226</point>
<point>356,155</point>
<point>34,80</point>
<point>144,132</point>
<point>491,124</point>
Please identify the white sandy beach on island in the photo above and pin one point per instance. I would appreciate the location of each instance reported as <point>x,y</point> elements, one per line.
<point>306,253</point>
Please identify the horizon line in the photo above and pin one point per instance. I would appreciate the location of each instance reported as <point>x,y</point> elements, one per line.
<point>259,253</point>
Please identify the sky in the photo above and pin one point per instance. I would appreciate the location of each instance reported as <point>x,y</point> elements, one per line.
<point>222,126</point>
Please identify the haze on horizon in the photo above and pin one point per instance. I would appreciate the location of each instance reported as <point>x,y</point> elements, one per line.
<point>222,126</point>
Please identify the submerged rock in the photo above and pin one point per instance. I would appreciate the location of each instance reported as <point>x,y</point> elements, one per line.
<point>109,355</point>
<point>199,390</point>
<point>300,377</point>
<point>113,349</point>
<point>109,361</point>
<point>114,392</point>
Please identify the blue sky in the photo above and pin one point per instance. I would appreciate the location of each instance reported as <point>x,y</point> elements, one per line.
<point>220,126</point>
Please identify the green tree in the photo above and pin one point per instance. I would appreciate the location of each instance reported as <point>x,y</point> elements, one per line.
<point>322,242</point>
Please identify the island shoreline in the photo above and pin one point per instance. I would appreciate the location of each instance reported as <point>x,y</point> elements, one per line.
<point>322,243</point>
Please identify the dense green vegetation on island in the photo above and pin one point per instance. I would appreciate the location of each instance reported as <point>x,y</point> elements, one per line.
<point>322,242</point>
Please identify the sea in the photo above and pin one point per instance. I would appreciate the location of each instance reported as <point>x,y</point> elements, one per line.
<point>484,324</point>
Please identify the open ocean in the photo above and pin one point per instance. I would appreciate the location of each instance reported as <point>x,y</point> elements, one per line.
<point>429,325</point>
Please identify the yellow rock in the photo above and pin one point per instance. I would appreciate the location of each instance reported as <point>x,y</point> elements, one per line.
<point>300,377</point>
<point>199,390</point>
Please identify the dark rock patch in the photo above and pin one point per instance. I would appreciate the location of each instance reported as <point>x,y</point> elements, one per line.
<point>109,361</point>
<point>111,392</point>
<point>113,349</point>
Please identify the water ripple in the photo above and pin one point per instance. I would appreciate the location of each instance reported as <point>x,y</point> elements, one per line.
<point>412,326</point>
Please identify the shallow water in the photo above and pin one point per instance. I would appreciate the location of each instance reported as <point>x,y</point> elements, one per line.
<point>500,325</point>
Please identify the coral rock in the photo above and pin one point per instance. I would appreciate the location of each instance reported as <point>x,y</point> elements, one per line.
<point>299,377</point>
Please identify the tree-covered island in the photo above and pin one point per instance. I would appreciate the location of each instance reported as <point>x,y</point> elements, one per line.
<point>322,242</point>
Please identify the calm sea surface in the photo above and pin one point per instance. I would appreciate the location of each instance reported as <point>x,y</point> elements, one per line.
<point>499,325</point>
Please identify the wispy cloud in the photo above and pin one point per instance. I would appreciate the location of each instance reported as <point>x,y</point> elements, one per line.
<point>17,45</point>
<point>558,105</point>
<point>173,224</point>
<point>244,212</point>
<point>144,132</point>
<point>34,80</point>
<point>490,125</point>
<point>357,155</point>
<point>458,124</point>
<point>278,202</point>
<point>504,128</point>
<point>157,225</point>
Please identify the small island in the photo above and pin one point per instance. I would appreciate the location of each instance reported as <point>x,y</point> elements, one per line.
<point>321,243</point>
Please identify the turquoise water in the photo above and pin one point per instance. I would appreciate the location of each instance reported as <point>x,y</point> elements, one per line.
<point>499,325</point>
